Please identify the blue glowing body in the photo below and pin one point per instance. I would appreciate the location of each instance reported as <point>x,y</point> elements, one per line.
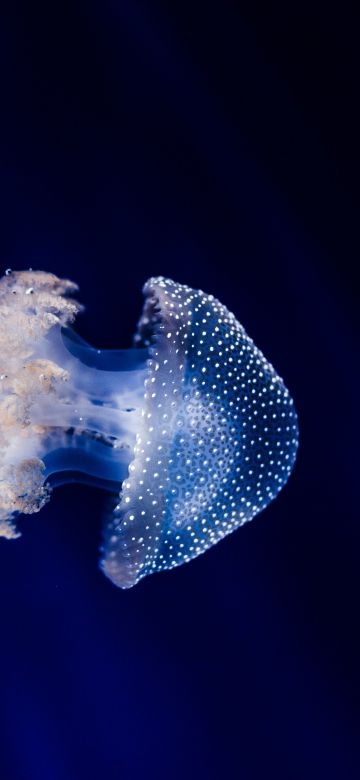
<point>192,430</point>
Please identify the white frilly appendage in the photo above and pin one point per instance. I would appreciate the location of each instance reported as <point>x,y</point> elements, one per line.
<point>61,409</point>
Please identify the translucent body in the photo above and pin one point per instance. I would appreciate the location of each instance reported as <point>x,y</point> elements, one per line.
<point>93,418</point>
<point>193,429</point>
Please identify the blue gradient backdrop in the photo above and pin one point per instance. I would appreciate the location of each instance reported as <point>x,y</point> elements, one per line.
<point>219,148</point>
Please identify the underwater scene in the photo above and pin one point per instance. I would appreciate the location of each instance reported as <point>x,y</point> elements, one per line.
<point>178,393</point>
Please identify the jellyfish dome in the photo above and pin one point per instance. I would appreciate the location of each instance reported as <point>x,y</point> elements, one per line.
<point>191,430</point>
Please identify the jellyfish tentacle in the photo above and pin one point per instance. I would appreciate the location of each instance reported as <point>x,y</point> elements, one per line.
<point>64,406</point>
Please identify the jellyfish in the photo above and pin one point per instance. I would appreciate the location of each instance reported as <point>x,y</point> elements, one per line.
<point>191,431</point>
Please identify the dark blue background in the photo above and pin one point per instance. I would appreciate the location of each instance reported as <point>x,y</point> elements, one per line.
<point>218,148</point>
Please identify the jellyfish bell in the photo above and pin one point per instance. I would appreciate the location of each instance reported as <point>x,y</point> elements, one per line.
<point>192,429</point>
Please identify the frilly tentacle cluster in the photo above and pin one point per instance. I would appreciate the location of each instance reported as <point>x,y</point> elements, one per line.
<point>31,303</point>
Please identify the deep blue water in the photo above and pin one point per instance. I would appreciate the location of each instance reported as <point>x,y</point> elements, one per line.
<point>220,149</point>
